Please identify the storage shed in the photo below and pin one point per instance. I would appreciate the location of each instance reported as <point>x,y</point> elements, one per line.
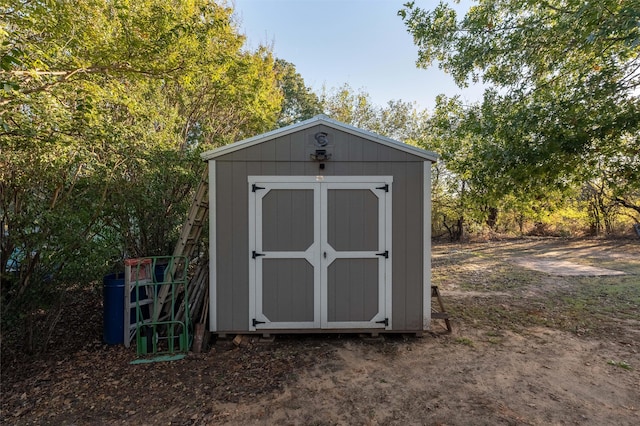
<point>319,227</point>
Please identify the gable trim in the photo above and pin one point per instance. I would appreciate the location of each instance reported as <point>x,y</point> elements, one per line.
<point>318,120</point>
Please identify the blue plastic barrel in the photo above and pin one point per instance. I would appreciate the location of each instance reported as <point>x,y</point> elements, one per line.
<point>158,272</point>
<point>113,308</point>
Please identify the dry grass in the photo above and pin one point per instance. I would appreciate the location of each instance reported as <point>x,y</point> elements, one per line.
<point>482,286</point>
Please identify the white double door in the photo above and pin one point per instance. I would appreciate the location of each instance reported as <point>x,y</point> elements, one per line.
<point>319,252</point>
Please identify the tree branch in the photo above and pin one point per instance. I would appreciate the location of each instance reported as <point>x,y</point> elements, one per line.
<point>557,9</point>
<point>66,75</point>
<point>627,204</point>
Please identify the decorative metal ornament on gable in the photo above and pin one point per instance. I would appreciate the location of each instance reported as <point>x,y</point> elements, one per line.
<point>323,149</point>
<point>319,227</point>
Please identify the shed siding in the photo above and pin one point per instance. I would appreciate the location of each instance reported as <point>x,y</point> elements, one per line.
<point>224,245</point>
<point>288,155</point>
<point>414,245</point>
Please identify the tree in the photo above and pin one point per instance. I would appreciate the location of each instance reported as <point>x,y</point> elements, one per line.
<point>565,73</point>
<point>105,107</point>
<point>300,102</point>
<point>397,119</point>
<point>351,107</point>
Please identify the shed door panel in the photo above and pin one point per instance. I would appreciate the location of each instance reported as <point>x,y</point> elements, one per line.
<point>286,256</point>
<point>352,290</point>
<point>287,283</point>
<point>354,262</point>
<point>321,258</point>
<point>287,220</point>
<point>287,290</point>
<point>352,219</point>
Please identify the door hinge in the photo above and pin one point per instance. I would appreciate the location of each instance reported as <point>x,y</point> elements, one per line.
<point>256,322</point>
<point>255,187</point>
<point>385,187</point>
<point>255,254</point>
<point>385,254</point>
<point>384,321</point>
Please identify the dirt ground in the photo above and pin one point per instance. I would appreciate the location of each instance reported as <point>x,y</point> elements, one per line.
<point>528,347</point>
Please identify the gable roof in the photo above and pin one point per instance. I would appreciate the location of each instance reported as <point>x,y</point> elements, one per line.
<point>319,119</point>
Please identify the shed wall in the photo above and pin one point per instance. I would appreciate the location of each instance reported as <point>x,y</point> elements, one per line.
<point>289,156</point>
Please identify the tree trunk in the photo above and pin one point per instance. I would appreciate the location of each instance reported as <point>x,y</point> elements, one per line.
<point>492,218</point>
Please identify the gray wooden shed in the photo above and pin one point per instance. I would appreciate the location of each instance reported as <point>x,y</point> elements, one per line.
<point>319,227</point>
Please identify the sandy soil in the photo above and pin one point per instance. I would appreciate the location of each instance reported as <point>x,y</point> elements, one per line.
<point>538,377</point>
<point>564,268</point>
<point>510,360</point>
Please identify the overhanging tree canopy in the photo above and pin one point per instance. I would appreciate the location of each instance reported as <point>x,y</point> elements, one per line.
<point>103,108</point>
<point>564,78</point>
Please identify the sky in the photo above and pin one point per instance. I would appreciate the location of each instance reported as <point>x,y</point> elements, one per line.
<point>363,43</point>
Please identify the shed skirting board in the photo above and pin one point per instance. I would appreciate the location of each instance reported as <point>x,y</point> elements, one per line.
<point>273,332</point>
<point>213,288</point>
<point>426,288</point>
